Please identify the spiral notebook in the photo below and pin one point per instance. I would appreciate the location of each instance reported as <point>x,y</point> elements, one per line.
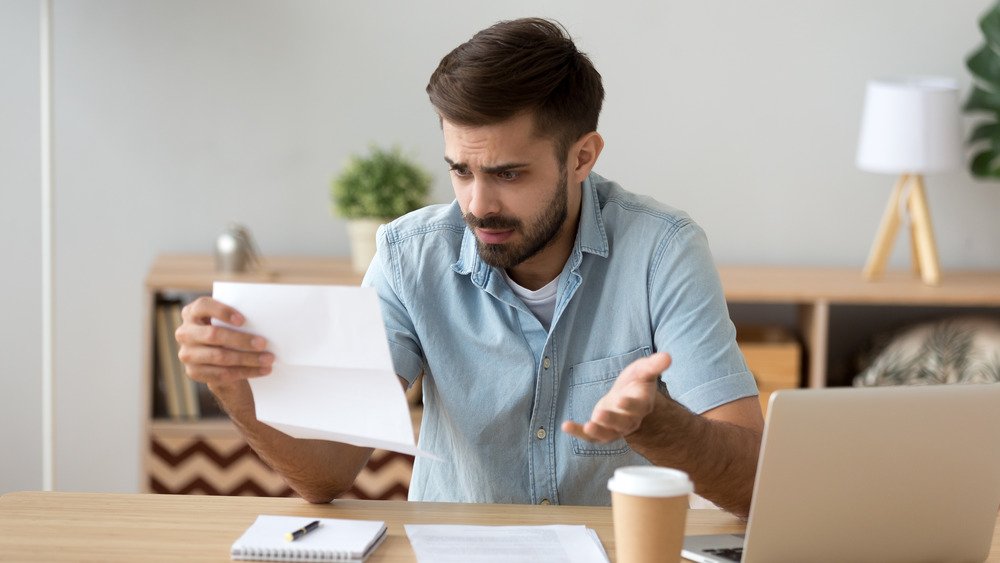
<point>333,540</point>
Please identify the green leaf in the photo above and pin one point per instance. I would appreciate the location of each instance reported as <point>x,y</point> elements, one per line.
<point>985,65</point>
<point>982,164</point>
<point>989,131</point>
<point>384,184</point>
<point>980,99</point>
<point>990,24</point>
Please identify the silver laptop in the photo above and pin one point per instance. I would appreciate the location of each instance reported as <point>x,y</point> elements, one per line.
<point>877,474</point>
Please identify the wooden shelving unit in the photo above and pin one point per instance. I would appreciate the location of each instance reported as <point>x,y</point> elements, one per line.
<point>816,291</point>
<point>209,456</point>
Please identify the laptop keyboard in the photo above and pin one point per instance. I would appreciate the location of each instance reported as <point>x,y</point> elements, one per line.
<point>732,554</point>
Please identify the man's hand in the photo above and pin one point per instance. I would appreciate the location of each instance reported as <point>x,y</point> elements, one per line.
<point>631,398</point>
<point>216,354</point>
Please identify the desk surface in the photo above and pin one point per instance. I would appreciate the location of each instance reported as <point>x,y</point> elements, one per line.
<point>122,527</point>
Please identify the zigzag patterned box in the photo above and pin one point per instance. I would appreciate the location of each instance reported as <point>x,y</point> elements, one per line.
<point>210,458</point>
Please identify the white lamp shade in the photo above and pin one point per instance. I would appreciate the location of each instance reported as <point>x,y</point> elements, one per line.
<point>910,126</point>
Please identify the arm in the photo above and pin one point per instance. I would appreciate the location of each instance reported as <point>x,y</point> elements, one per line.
<point>223,358</point>
<point>718,449</point>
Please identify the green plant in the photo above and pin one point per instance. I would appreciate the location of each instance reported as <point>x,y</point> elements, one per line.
<point>984,64</point>
<point>382,184</point>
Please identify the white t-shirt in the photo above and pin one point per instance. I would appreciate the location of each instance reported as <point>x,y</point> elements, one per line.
<point>542,301</point>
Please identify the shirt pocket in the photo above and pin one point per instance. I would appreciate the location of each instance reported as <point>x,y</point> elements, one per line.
<point>589,382</point>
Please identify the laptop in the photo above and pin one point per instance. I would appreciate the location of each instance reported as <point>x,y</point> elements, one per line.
<point>874,474</point>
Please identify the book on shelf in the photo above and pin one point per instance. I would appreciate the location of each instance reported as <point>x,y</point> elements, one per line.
<point>177,396</point>
<point>166,350</point>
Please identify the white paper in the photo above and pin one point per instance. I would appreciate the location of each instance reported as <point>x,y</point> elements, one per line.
<point>508,544</point>
<point>332,377</point>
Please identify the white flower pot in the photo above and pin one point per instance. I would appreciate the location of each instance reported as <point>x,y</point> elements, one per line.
<point>361,233</point>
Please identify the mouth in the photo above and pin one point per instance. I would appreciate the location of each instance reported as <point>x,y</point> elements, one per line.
<point>494,236</point>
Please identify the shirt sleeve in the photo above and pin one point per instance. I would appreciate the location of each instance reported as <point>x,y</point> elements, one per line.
<point>691,322</point>
<point>384,274</point>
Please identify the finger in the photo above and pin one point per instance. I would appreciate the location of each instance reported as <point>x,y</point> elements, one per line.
<point>220,336</point>
<point>589,432</point>
<point>648,369</point>
<point>619,422</point>
<point>223,357</point>
<point>203,309</point>
<point>599,433</point>
<point>574,429</point>
<point>632,404</point>
<point>219,374</point>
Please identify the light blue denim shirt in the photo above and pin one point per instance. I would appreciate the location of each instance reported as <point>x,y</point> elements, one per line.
<point>497,386</point>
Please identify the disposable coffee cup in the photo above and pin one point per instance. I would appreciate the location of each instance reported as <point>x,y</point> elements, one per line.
<point>649,507</point>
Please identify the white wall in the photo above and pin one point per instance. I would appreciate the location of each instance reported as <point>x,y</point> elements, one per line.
<point>175,117</point>
<point>20,244</point>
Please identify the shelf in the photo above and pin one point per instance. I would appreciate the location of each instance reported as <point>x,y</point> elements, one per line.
<point>814,294</point>
<point>846,286</point>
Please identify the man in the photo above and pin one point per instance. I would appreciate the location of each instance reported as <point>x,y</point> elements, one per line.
<point>540,308</point>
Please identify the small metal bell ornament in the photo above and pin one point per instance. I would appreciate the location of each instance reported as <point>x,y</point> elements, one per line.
<point>235,251</point>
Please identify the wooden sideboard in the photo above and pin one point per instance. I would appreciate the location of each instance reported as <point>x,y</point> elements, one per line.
<point>208,456</point>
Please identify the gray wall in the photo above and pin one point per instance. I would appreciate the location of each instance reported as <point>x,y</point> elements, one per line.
<point>176,117</point>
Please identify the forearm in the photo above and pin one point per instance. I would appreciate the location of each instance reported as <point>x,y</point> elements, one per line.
<point>318,470</point>
<point>720,457</point>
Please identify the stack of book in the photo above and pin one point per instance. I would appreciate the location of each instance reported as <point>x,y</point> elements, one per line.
<point>178,396</point>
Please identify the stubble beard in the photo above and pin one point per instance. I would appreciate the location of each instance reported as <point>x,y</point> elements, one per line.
<point>536,237</point>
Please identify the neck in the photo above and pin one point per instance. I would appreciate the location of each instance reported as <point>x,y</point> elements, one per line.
<point>545,266</point>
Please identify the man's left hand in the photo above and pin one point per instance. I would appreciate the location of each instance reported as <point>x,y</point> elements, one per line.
<point>631,398</point>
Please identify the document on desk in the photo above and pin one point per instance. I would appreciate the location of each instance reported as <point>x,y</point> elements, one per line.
<point>332,377</point>
<point>489,544</point>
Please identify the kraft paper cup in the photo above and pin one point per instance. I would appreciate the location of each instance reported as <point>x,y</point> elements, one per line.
<point>649,507</point>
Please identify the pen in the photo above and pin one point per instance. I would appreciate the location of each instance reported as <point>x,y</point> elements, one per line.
<point>292,536</point>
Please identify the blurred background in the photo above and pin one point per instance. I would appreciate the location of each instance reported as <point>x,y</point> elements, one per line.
<point>174,118</point>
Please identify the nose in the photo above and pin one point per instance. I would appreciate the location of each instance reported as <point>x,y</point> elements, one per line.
<point>483,201</point>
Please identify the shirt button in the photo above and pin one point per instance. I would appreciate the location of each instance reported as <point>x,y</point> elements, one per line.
<point>544,501</point>
<point>540,433</point>
<point>546,363</point>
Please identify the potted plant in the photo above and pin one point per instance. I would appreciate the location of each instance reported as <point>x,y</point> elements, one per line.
<point>374,189</point>
<point>984,64</point>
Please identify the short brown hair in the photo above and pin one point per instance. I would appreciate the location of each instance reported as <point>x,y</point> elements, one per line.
<point>516,66</point>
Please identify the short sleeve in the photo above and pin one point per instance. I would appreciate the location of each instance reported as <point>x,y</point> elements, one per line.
<point>384,275</point>
<point>691,322</point>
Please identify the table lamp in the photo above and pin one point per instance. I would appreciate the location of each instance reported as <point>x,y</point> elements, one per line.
<point>909,127</point>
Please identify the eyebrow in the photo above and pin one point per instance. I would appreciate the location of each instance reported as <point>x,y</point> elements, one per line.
<point>496,169</point>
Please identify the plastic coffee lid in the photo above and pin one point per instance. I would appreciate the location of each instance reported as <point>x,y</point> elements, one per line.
<point>649,481</point>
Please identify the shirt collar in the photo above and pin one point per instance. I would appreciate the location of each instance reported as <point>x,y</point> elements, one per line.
<point>591,237</point>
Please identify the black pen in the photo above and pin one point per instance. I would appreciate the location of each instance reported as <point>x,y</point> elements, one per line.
<point>292,536</point>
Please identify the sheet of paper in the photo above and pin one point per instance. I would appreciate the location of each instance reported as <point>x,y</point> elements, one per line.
<point>332,378</point>
<point>489,544</point>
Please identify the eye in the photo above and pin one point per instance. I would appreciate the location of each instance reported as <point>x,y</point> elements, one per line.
<point>508,175</point>
<point>460,171</point>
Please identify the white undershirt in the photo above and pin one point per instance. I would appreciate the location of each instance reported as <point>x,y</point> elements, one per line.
<point>541,302</point>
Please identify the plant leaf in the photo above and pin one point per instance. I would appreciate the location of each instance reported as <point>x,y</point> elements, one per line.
<point>990,24</point>
<point>985,65</point>
<point>982,164</point>
<point>989,131</point>
<point>980,99</point>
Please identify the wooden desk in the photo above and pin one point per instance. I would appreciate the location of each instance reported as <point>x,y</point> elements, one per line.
<point>38,526</point>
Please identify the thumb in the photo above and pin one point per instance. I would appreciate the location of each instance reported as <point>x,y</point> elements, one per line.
<point>651,367</point>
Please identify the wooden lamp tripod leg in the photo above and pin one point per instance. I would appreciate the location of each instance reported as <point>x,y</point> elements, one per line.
<point>923,234</point>
<point>882,247</point>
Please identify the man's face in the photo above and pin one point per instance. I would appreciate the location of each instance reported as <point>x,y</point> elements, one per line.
<point>511,188</point>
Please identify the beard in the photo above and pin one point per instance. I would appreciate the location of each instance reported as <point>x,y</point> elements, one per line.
<point>535,237</point>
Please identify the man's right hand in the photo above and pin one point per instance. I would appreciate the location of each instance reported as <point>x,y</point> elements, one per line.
<point>218,355</point>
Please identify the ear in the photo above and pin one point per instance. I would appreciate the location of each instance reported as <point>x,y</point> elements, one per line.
<point>583,155</point>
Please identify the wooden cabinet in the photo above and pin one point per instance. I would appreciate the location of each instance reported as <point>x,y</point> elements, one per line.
<point>834,309</point>
<point>208,455</point>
